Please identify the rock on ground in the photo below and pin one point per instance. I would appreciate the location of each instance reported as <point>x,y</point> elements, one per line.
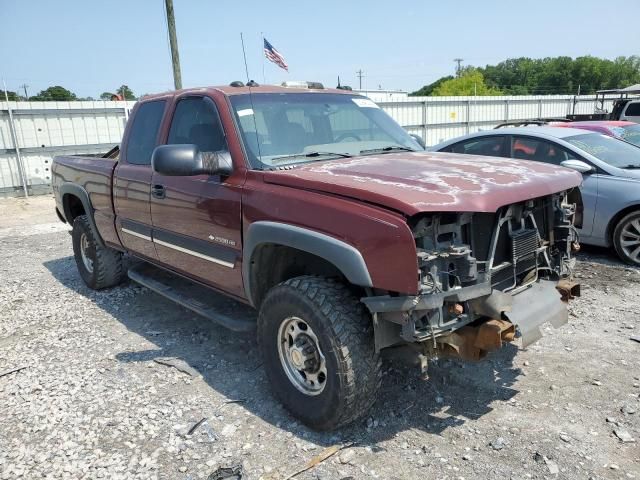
<point>92,401</point>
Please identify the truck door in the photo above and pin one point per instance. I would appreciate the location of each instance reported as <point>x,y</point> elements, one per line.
<point>197,220</point>
<point>132,179</point>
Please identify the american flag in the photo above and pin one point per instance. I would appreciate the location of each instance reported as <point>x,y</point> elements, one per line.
<point>274,55</point>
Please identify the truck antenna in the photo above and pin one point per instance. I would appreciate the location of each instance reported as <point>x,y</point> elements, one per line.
<point>244,54</point>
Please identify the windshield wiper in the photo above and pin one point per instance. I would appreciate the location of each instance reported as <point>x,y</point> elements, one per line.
<point>390,148</point>
<point>310,155</point>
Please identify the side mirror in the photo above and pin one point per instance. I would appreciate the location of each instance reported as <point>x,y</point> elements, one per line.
<point>418,139</point>
<point>578,166</point>
<point>186,160</point>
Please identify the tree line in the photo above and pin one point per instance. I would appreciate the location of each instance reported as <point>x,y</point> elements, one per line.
<point>542,76</point>
<point>57,93</point>
<point>514,76</point>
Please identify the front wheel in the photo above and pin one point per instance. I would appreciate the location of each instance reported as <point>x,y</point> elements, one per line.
<point>316,340</point>
<point>626,238</point>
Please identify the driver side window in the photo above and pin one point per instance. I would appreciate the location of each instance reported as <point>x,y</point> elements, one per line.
<point>538,150</point>
<point>196,121</point>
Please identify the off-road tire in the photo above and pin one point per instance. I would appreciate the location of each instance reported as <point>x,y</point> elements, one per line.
<point>108,265</point>
<point>345,334</point>
<point>617,237</point>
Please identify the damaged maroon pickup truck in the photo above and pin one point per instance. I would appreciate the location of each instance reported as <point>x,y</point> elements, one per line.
<point>319,211</point>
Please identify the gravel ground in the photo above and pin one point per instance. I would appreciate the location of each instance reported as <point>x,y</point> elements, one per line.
<point>92,401</point>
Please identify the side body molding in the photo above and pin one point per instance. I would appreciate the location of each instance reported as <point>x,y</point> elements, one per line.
<point>346,258</point>
<point>81,193</point>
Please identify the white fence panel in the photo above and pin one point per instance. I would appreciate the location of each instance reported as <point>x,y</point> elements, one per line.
<point>46,129</point>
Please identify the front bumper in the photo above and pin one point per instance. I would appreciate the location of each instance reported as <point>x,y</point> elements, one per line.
<point>424,317</point>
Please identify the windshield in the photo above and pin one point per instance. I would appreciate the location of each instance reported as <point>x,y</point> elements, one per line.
<point>608,149</point>
<point>288,128</point>
<point>629,133</point>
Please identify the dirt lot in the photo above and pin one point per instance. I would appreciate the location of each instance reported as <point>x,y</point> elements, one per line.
<point>93,402</point>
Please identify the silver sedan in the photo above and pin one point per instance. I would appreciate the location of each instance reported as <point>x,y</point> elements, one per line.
<point>610,169</point>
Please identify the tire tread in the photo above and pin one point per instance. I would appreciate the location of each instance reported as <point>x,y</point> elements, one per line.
<point>352,329</point>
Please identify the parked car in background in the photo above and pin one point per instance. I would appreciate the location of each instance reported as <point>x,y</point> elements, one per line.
<point>610,169</point>
<point>627,131</point>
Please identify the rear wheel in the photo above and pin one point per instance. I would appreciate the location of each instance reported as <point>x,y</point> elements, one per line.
<point>626,238</point>
<point>317,345</point>
<point>99,266</point>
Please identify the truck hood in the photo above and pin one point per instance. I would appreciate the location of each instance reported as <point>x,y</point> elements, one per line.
<point>414,182</point>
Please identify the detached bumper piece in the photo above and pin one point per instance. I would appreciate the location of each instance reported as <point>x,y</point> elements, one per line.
<point>539,304</point>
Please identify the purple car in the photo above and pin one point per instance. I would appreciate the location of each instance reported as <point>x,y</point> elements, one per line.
<point>627,131</point>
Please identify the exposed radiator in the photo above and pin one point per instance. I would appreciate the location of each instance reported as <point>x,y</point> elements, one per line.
<point>523,247</point>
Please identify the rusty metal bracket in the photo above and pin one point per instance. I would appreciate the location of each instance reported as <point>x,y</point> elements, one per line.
<point>568,289</point>
<point>493,333</point>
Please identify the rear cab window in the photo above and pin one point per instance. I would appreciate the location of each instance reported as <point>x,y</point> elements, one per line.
<point>143,136</point>
<point>632,110</point>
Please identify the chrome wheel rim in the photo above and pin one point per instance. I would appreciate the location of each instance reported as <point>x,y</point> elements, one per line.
<point>630,239</point>
<point>85,248</point>
<point>301,356</point>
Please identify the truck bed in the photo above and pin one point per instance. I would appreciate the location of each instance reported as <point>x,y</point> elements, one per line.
<point>94,175</point>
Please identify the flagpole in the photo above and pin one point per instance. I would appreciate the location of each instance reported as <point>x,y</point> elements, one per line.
<point>264,79</point>
<point>244,54</point>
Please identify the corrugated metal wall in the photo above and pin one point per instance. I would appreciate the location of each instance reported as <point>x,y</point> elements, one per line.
<point>46,129</point>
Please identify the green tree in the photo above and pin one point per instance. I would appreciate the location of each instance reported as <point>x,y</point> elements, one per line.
<point>562,75</point>
<point>514,76</point>
<point>470,82</point>
<point>126,93</point>
<point>428,89</point>
<point>56,93</point>
<point>13,96</point>
<point>106,96</point>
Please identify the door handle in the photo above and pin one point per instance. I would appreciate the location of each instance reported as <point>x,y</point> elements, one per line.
<point>158,191</point>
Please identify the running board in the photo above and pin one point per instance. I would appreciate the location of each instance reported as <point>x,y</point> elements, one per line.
<point>212,305</point>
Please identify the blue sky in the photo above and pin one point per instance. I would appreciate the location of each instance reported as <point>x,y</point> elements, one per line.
<point>91,46</point>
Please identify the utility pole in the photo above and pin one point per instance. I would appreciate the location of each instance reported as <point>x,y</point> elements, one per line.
<point>24,87</point>
<point>173,41</point>
<point>459,66</point>
<point>360,75</point>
